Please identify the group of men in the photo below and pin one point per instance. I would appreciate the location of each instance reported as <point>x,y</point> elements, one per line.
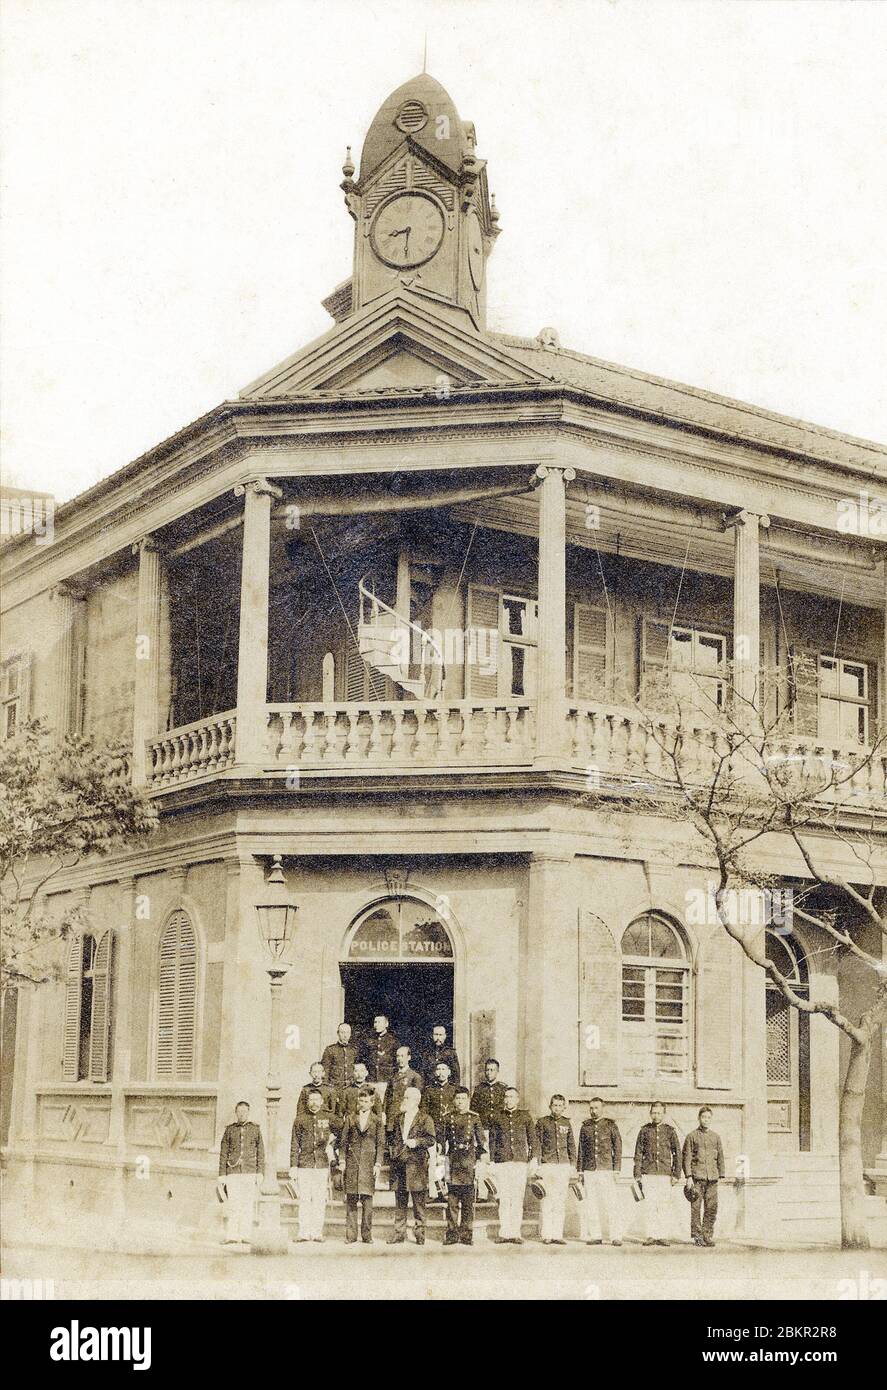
<point>364,1106</point>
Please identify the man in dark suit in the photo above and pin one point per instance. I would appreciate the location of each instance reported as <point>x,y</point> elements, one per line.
<point>439,1051</point>
<point>405,1075</point>
<point>488,1100</point>
<point>361,1150</point>
<point>463,1145</point>
<point>438,1098</point>
<point>338,1062</point>
<point>348,1102</point>
<point>316,1083</point>
<point>409,1145</point>
<point>379,1053</point>
<point>557,1163</point>
<point>703,1161</point>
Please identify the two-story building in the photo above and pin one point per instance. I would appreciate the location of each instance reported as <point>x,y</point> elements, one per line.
<point>377,619</point>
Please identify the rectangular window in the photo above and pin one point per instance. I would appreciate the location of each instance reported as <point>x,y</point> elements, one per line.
<point>697,664</point>
<point>843,700</point>
<point>518,628</point>
<point>11,696</point>
<point>655,1017</point>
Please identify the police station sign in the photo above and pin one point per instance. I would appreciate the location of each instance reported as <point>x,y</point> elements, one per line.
<point>403,931</point>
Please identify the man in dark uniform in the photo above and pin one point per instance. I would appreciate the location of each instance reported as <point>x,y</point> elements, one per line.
<point>463,1144</point>
<point>557,1162</point>
<point>409,1144</point>
<point>440,1052</point>
<point>348,1103</point>
<point>361,1151</point>
<point>404,1075</point>
<point>657,1163</point>
<point>703,1166</point>
<point>318,1084</point>
<point>438,1098</point>
<point>241,1166</point>
<point>488,1100</point>
<point>512,1147</point>
<point>600,1159</point>
<point>311,1150</point>
<point>379,1054</point>
<point>338,1062</point>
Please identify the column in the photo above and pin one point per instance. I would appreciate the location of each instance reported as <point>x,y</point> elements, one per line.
<point>550,972</point>
<point>252,657</point>
<point>122,1013</point>
<point>145,699</point>
<point>64,604</point>
<point>884,658</point>
<point>747,608</point>
<point>551,670</point>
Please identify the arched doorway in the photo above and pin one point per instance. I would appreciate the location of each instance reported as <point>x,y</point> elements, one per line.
<point>788,1051</point>
<point>398,960</point>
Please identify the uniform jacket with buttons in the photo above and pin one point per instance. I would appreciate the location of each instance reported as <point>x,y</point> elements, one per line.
<point>463,1143</point>
<point>361,1150</point>
<point>327,1097</point>
<point>380,1055</point>
<point>600,1145</point>
<point>308,1143</point>
<point>703,1155</point>
<point>395,1093</point>
<point>242,1150</point>
<point>555,1139</point>
<point>488,1100</point>
<point>409,1167</point>
<point>657,1151</point>
<point>513,1137</point>
<point>338,1063</point>
<point>438,1103</point>
<point>434,1056</point>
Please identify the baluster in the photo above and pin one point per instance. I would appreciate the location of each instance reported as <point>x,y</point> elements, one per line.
<point>398,747</point>
<point>374,750</point>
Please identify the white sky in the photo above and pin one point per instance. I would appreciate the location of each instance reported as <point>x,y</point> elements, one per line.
<point>694,188</point>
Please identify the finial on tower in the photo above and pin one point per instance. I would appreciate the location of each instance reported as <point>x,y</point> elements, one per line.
<point>348,166</point>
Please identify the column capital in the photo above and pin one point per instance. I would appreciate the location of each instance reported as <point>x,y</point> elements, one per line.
<point>64,590</point>
<point>743,517</point>
<point>545,470</point>
<point>148,544</point>
<point>259,487</point>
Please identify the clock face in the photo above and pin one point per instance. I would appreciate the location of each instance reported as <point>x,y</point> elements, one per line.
<point>475,249</point>
<point>408,230</point>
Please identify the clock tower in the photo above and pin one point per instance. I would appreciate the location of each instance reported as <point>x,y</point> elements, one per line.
<point>423,214</point>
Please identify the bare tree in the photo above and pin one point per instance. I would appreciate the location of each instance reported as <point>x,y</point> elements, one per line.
<point>733,771</point>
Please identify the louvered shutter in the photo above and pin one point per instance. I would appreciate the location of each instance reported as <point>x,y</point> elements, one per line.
<point>73,988</point>
<point>482,682</point>
<point>355,676</point>
<point>715,1012</point>
<point>804,688</point>
<point>589,651</point>
<point>177,1000</point>
<point>100,1023</point>
<point>599,1002</point>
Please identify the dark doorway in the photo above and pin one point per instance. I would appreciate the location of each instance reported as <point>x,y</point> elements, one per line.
<point>414,997</point>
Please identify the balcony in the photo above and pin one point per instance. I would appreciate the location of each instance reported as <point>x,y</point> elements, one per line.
<point>608,746</point>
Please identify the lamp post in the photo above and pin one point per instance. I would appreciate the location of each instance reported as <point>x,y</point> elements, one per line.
<point>277,923</point>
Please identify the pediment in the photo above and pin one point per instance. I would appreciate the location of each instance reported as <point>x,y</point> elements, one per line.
<point>404,339</point>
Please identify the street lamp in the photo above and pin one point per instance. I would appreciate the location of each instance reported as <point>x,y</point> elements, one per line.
<point>277,925</point>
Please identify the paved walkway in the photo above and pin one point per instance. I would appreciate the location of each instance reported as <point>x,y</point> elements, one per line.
<point>408,1272</point>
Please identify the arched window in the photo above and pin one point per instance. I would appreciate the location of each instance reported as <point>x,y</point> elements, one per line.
<point>655,1000</point>
<point>176,1039</point>
<point>788,1049</point>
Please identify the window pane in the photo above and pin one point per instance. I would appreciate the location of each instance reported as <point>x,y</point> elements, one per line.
<point>681,649</point>
<point>663,941</point>
<point>828,676</point>
<point>636,939</point>
<point>853,679</point>
<point>830,719</point>
<point>710,652</point>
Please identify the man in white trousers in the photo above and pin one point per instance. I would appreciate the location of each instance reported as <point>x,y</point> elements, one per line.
<point>657,1163</point>
<point>513,1147</point>
<point>557,1164</point>
<point>600,1159</point>
<point>310,1154</point>
<point>241,1165</point>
